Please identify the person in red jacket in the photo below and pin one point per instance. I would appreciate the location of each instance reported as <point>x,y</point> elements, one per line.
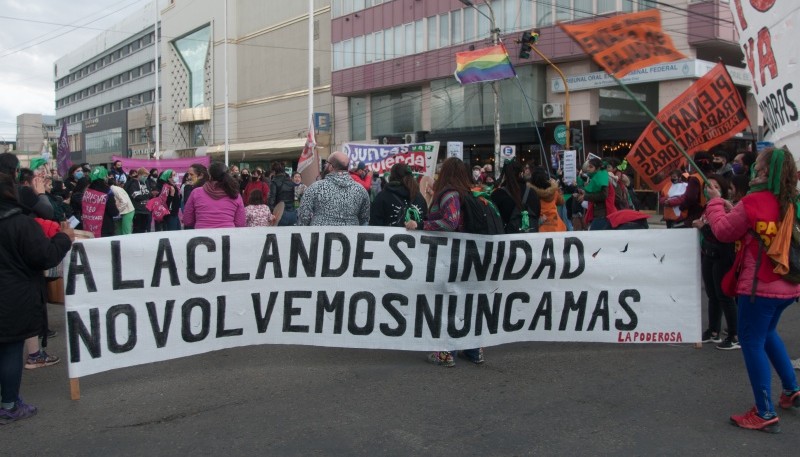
<point>362,176</point>
<point>761,294</point>
<point>256,183</point>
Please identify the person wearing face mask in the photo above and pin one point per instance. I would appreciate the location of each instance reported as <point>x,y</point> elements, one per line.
<point>676,188</point>
<point>256,183</point>
<point>742,163</point>
<point>720,163</point>
<point>74,175</point>
<point>116,172</point>
<point>137,190</point>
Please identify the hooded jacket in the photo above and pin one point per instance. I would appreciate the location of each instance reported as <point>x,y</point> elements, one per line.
<point>335,200</point>
<point>25,252</point>
<point>388,205</point>
<point>550,198</point>
<point>281,189</point>
<point>210,207</point>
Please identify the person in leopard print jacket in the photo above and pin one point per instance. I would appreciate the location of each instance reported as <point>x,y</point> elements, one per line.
<point>336,199</point>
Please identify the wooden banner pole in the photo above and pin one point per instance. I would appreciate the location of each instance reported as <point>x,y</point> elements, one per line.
<point>75,388</point>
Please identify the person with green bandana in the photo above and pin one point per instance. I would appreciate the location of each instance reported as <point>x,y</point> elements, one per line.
<point>165,185</point>
<point>761,293</point>
<point>598,193</point>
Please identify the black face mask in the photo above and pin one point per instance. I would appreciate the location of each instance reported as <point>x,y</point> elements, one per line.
<point>717,165</point>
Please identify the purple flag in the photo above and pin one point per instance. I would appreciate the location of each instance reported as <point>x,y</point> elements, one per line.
<point>63,161</point>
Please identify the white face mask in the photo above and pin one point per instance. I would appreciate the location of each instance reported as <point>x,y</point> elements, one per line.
<point>476,174</point>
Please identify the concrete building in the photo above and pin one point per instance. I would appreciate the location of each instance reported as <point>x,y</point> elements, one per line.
<point>393,64</point>
<point>267,68</point>
<point>105,91</point>
<point>33,130</point>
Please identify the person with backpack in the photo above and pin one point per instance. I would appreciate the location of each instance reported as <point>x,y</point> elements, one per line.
<point>400,201</point>
<point>446,215</point>
<point>281,189</point>
<point>513,197</point>
<point>761,294</point>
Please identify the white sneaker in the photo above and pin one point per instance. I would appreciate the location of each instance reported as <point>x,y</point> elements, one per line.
<point>796,364</point>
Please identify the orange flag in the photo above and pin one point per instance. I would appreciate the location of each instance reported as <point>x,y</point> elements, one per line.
<point>709,112</point>
<point>624,43</point>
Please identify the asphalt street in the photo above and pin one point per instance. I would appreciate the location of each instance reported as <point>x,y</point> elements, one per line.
<point>527,399</point>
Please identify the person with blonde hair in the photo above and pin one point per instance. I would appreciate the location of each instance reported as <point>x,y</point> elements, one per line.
<point>761,294</point>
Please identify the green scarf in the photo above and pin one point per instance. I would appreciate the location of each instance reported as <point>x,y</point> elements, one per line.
<point>597,182</point>
<point>773,182</point>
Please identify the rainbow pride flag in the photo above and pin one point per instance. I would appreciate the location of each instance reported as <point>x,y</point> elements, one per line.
<point>489,64</point>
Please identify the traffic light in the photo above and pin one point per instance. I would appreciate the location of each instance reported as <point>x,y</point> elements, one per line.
<point>526,42</point>
<point>576,138</point>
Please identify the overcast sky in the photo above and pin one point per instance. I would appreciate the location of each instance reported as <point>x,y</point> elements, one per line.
<point>33,35</point>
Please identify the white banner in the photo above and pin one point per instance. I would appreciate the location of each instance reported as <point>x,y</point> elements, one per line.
<point>455,149</point>
<point>767,33</point>
<point>570,167</point>
<point>143,298</point>
<point>380,158</point>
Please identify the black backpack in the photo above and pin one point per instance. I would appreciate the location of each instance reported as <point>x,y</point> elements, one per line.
<point>405,211</point>
<point>522,220</point>
<point>481,215</point>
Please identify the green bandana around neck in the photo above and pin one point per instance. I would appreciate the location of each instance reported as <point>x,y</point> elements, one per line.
<point>597,181</point>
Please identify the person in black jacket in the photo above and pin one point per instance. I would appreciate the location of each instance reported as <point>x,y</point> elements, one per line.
<point>136,187</point>
<point>392,203</point>
<point>281,189</point>
<point>508,197</point>
<point>25,252</point>
<point>166,186</point>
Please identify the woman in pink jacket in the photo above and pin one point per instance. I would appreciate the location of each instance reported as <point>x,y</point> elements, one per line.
<point>217,204</point>
<point>762,295</point>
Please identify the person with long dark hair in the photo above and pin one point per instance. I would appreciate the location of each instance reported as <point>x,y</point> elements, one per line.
<point>281,189</point>
<point>25,252</point>
<point>510,195</point>
<point>761,294</point>
<point>716,259</point>
<point>217,204</point>
<point>446,215</point>
<point>399,201</point>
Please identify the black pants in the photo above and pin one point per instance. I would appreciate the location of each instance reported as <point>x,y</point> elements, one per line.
<point>713,268</point>
<point>141,222</point>
<point>11,370</point>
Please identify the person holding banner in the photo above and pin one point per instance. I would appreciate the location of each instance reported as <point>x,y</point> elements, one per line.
<point>762,295</point>
<point>693,200</point>
<point>445,215</point>
<point>98,206</point>
<point>716,259</point>
<point>166,186</point>
<point>25,252</point>
<point>217,204</point>
<point>675,188</point>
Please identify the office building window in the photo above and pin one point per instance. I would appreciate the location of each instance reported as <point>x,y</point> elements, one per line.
<point>193,50</point>
<point>358,118</point>
<point>396,112</point>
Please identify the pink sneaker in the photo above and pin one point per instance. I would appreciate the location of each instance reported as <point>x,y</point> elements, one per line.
<point>752,421</point>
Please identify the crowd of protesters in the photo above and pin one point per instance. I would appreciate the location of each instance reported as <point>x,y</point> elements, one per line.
<point>714,197</point>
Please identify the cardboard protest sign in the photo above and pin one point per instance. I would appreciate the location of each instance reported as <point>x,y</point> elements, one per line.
<point>768,32</point>
<point>93,207</point>
<point>157,296</point>
<point>380,158</point>
<point>709,112</point>
<point>624,43</point>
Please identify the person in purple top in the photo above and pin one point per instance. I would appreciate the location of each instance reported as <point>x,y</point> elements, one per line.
<point>217,204</point>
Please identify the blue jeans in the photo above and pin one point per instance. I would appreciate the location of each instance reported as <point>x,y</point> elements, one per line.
<point>11,362</point>
<point>471,354</point>
<point>762,345</point>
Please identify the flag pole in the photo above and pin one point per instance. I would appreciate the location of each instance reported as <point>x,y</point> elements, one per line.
<point>660,126</point>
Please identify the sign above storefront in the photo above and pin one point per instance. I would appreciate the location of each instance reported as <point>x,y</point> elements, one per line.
<point>683,69</point>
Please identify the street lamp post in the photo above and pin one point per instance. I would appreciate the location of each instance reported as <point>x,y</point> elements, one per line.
<point>495,84</point>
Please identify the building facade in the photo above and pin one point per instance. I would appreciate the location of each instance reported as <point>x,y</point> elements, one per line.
<point>393,64</point>
<point>34,133</point>
<point>105,90</point>
<point>267,55</point>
